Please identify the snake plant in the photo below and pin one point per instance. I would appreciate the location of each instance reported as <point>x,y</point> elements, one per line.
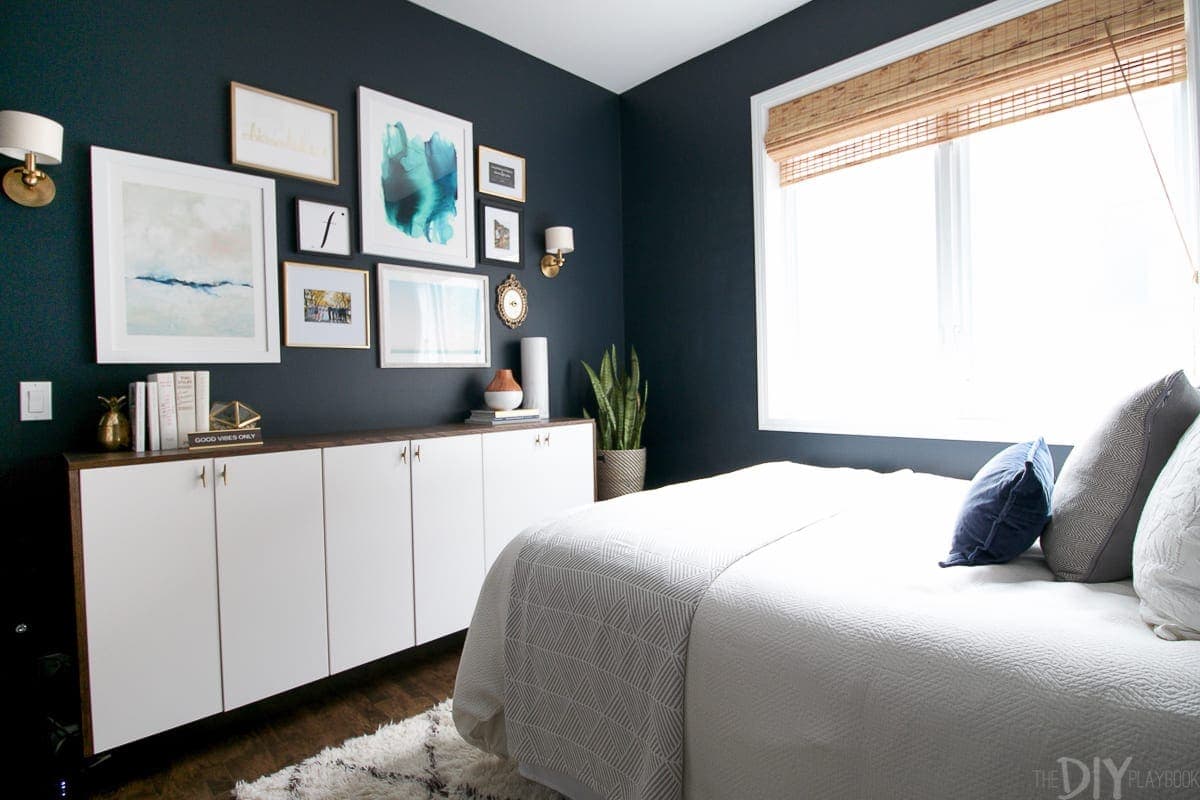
<point>620,408</point>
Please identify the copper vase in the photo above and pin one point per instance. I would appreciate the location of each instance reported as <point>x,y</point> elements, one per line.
<point>503,393</point>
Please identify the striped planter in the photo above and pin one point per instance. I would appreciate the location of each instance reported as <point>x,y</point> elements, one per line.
<point>620,472</point>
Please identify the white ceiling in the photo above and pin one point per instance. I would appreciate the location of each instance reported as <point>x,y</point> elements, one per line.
<point>615,43</point>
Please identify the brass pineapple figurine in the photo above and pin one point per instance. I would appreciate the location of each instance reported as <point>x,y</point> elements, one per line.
<point>113,431</point>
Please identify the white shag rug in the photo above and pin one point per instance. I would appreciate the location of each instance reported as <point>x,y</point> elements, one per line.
<point>421,757</point>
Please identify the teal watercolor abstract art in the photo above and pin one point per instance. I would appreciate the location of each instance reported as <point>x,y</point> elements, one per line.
<point>420,184</point>
<point>416,181</point>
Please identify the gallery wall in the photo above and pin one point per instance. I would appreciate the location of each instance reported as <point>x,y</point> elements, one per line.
<point>689,249</point>
<point>153,77</point>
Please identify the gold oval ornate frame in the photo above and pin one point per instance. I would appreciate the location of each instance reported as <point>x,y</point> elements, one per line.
<point>506,317</point>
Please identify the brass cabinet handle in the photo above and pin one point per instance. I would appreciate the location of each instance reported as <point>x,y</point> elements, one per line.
<point>417,452</point>
<point>204,476</point>
<point>404,455</point>
<point>225,474</point>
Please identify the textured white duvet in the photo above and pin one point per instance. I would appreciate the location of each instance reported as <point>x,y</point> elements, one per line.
<point>842,662</point>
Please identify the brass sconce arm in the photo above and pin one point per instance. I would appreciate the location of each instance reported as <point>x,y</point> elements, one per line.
<point>552,263</point>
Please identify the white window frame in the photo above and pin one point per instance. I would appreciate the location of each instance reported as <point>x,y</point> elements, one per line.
<point>768,199</point>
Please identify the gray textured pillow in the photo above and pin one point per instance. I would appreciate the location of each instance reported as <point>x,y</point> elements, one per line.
<point>1104,483</point>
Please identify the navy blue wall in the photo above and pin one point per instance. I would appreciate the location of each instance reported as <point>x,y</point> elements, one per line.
<point>689,247</point>
<point>153,77</point>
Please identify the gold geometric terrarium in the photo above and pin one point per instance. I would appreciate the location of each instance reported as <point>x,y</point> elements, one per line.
<point>232,416</point>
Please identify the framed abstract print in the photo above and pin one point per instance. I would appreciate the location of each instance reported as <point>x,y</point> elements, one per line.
<point>433,318</point>
<point>184,260</point>
<point>416,183</point>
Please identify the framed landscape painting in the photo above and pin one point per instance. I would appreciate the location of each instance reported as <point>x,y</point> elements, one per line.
<point>184,260</point>
<point>432,318</point>
<point>415,181</point>
<point>326,306</point>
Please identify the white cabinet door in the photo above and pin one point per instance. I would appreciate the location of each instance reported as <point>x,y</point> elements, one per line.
<point>567,467</point>
<point>447,499</point>
<point>368,552</point>
<point>271,557</point>
<point>511,487</point>
<point>530,475</point>
<point>150,589</point>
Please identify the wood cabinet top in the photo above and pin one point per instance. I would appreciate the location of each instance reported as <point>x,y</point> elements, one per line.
<point>275,444</point>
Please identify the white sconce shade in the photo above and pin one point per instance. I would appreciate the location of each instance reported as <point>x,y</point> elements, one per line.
<point>560,239</point>
<point>22,132</point>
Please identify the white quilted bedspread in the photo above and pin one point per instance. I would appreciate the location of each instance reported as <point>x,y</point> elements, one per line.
<point>842,662</point>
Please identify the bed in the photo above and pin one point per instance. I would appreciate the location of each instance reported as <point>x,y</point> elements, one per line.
<point>826,654</point>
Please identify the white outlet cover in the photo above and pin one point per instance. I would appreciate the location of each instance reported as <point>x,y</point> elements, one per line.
<point>36,401</point>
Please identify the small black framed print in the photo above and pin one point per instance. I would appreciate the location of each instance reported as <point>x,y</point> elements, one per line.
<point>500,235</point>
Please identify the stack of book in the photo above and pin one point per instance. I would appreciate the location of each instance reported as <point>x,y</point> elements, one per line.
<point>489,417</point>
<point>166,407</point>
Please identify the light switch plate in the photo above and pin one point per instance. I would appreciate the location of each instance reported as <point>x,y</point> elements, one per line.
<point>36,402</point>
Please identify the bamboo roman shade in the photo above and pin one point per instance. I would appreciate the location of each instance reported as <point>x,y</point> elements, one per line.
<point>1054,58</point>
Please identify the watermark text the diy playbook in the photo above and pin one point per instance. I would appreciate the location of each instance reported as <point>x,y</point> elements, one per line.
<point>1110,779</point>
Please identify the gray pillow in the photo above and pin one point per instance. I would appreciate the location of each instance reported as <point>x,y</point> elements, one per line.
<point>1104,483</point>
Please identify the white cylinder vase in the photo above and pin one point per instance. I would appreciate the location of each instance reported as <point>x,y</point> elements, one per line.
<point>535,374</point>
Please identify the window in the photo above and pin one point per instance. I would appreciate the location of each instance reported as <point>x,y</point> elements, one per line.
<point>998,284</point>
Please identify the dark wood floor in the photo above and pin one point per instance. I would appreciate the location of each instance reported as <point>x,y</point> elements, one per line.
<point>206,759</point>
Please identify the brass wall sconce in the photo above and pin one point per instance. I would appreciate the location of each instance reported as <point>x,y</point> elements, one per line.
<point>30,138</point>
<point>560,240</point>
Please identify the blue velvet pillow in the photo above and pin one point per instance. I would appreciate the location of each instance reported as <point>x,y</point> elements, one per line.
<point>1007,506</point>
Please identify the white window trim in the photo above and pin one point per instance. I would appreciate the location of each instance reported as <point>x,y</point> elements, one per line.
<point>767,200</point>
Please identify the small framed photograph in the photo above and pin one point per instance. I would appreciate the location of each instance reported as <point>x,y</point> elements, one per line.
<point>501,174</point>
<point>500,236</point>
<point>284,135</point>
<point>184,259</point>
<point>322,228</point>
<point>433,318</point>
<point>326,306</point>
<point>416,186</point>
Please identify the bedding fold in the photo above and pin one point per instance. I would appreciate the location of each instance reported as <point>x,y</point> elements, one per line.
<point>600,609</point>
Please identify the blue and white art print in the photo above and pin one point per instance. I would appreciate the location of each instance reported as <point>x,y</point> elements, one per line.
<point>432,318</point>
<point>184,262</point>
<point>415,180</point>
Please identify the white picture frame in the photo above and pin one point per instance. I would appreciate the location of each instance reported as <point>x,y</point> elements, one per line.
<point>433,318</point>
<point>501,174</point>
<point>184,262</point>
<point>326,306</point>
<point>322,228</point>
<point>429,216</point>
<point>281,134</point>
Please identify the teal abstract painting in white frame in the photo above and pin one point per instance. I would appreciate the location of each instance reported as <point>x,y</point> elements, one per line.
<point>184,262</point>
<point>432,318</point>
<point>415,181</point>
